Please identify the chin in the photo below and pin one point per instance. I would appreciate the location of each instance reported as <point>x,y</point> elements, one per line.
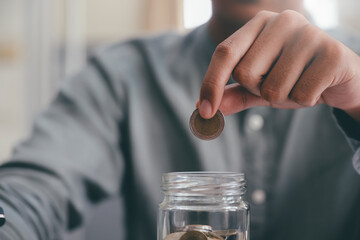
<point>239,15</point>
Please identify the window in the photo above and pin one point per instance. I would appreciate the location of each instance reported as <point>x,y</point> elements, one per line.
<point>196,12</point>
<point>323,12</point>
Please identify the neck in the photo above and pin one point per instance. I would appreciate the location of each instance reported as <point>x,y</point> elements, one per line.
<point>220,29</point>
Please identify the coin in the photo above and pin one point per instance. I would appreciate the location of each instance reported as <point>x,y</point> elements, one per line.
<point>207,129</point>
<point>213,236</point>
<point>230,234</point>
<point>200,228</point>
<point>193,235</point>
<point>174,236</point>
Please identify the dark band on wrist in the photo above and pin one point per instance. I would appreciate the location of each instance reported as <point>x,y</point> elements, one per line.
<point>2,217</point>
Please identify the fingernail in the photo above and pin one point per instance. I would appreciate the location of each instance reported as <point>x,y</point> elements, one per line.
<point>205,109</point>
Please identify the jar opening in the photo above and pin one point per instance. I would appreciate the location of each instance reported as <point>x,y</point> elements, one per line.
<point>204,183</point>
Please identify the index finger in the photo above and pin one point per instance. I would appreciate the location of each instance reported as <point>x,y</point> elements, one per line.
<point>225,58</point>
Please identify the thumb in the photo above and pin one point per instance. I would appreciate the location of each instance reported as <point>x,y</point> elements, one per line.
<point>237,99</point>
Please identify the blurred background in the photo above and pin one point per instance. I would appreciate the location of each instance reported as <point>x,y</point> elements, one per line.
<point>44,41</point>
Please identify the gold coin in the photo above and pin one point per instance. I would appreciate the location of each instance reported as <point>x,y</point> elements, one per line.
<point>193,235</point>
<point>197,227</point>
<point>174,236</point>
<point>213,236</point>
<point>207,129</point>
<point>227,234</point>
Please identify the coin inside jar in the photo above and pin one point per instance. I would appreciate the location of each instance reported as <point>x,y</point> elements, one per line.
<point>193,235</point>
<point>200,228</point>
<point>207,129</point>
<point>174,236</point>
<point>231,234</point>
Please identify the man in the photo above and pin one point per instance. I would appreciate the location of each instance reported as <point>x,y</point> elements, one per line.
<point>123,121</point>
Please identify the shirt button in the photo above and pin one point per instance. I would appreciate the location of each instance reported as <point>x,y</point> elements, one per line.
<point>256,122</point>
<point>258,196</point>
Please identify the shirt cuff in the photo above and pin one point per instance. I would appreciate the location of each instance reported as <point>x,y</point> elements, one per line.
<point>351,130</point>
<point>15,227</point>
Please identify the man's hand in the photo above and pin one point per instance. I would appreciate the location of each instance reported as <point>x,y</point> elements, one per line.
<point>282,61</point>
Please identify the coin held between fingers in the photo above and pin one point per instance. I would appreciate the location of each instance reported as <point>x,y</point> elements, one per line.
<point>207,129</point>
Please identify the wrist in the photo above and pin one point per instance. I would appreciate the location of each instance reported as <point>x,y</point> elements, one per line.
<point>352,88</point>
<point>354,113</point>
<point>350,102</point>
<point>2,217</point>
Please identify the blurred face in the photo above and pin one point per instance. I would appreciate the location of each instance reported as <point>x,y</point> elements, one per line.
<point>230,15</point>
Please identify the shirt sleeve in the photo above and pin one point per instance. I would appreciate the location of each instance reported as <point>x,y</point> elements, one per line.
<point>351,130</point>
<point>70,160</point>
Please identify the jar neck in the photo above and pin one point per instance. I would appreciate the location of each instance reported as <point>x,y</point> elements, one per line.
<point>203,188</point>
<point>203,200</point>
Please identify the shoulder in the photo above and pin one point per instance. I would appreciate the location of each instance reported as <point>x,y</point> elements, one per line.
<point>121,57</point>
<point>141,60</point>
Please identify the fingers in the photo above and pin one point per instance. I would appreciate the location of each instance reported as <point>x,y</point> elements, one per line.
<point>236,99</point>
<point>314,81</point>
<point>224,60</point>
<point>297,80</point>
<point>278,60</point>
<point>265,51</point>
<point>296,55</point>
<point>306,92</point>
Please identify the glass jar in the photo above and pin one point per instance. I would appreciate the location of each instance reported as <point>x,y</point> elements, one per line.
<point>203,205</point>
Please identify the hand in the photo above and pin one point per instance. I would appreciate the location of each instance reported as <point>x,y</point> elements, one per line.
<point>283,61</point>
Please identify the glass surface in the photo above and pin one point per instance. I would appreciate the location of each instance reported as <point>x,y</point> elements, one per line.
<point>206,204</point>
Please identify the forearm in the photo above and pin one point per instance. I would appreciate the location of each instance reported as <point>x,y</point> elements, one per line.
<point>50,178</point>
<point>34,203</point>
<point>15,227</point>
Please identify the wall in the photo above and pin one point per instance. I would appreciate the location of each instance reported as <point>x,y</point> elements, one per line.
<point>12,126</point>
<point>43,41</point>
<point>349,14</point>
<point>110,20</point>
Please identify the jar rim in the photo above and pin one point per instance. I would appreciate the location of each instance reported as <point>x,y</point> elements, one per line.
<point>204,183</point>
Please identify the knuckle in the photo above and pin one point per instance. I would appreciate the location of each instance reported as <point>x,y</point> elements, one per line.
<point>302,99</point>
<point>332,53</point>
<point>311,35</point>
<point>208,89</point>
<point>271,95</point>
<point>309,32</point>
<point>338,50</point>
<point>265,14</point>
<point>244,75</point>
<point>291,14</point>
<point>210,85</point>
<point>291,17</point>
<point>332,50</point>
<point>224,49</point>
<point>287,15</point>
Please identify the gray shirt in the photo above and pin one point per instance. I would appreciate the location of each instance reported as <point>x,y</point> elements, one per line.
<point>122,122</point>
